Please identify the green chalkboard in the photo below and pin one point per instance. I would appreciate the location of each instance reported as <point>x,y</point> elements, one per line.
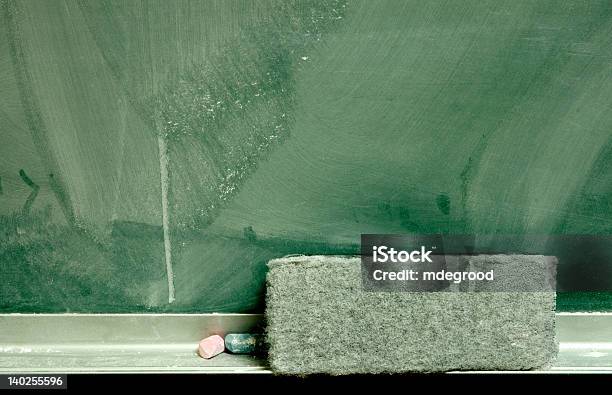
<point>154,155</point>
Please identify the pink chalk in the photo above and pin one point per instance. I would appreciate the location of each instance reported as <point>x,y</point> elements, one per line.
<point>211,346</point>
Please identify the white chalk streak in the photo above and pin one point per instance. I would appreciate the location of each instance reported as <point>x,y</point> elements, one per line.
<point>163,172</point>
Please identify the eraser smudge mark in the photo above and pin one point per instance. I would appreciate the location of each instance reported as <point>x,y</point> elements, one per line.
<point>33,116</point>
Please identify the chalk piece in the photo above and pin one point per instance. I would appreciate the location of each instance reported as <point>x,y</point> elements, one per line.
<point>211,346</point>
<point>244,343</point>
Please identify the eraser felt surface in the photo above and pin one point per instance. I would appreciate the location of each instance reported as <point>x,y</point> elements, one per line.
<point>321,321</point>
<point>211,346</point>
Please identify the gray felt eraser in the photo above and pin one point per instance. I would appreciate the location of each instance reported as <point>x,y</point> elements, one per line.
<point>320,320</point>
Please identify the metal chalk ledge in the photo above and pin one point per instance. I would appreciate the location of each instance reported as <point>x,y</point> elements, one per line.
<point>142,343</point>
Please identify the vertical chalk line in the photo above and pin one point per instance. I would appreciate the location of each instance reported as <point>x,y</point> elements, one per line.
<point>163,173</point>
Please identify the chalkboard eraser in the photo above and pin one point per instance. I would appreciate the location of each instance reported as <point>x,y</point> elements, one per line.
<point>211,346</point>
<point>321,320</point>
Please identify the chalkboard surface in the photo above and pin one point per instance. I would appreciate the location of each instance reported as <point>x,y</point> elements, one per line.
<point>154,155</point>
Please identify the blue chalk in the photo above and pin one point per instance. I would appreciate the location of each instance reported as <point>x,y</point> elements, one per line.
<point>244,343</point>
